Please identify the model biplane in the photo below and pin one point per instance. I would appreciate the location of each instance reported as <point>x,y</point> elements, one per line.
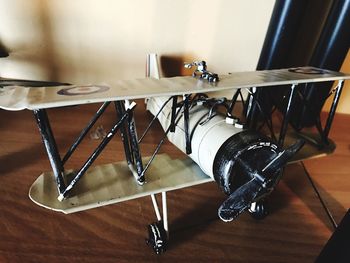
<point>222,147</point>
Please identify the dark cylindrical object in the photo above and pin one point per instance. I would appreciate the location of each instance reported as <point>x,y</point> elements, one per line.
<point>281,34</point>
<point>329,53</point>
<point>291,24</point>
<point>334,41</point>
<point>279,40</point>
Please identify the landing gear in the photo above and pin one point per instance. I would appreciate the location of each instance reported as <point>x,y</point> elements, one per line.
<point>157,237</point>
<point>258,210</point>
<point>158,231</point>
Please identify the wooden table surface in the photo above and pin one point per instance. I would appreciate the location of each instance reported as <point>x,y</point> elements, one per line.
<point>295,231</point>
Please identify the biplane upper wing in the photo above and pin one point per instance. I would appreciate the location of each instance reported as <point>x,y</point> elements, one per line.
<point>19,97</point>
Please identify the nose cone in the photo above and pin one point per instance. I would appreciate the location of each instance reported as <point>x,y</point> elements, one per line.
<point>247,168</point>
<point>240,157</point>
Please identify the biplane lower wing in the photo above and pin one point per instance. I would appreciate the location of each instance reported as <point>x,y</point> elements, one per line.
<point>111,183</point>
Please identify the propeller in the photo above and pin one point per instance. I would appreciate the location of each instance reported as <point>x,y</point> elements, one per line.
<point>261,184</point>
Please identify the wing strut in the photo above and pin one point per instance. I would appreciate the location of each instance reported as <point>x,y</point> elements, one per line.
<point>64,186</point>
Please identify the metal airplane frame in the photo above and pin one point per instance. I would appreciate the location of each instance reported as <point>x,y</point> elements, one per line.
<point>71,191</point>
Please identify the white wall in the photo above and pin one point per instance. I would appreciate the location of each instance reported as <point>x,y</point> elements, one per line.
<point>89,41</point>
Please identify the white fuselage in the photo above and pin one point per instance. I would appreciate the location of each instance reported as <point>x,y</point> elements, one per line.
<point>206,139</point>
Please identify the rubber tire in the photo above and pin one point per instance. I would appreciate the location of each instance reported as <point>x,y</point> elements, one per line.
<point>261,210</point>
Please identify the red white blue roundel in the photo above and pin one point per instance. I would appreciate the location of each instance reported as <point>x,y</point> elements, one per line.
<point>307,70</point>
<point>82,90</point>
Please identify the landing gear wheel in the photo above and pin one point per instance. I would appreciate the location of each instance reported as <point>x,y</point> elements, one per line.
<point>157,237</point>
<point>258,210</point>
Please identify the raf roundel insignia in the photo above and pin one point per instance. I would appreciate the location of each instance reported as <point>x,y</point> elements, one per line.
<point>307,70</point>
<point>82,90</point>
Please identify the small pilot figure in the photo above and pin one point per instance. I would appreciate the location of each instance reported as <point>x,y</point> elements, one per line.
<point>201,67</point>
<point>201,71</point>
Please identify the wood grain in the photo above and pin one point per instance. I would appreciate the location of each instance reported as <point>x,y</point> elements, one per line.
<point>295,231</point>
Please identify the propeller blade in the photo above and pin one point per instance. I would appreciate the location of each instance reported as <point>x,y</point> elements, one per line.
<point>258,186</point>
<point>282,158</point>
<point>239,200</point>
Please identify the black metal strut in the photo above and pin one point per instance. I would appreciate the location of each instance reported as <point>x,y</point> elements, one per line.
<point>233,101</point>
<point>173,113</point>
<point>83,133</point>
<point>162,140</point>
<point>155,118</point>
<point>286,117</point>
<point>252,108</point>
<point>123,133</point>
<point>333,109</point>
<point>186,124</point>
<point>51,147</point>
<point>95,154</point>
<point>135,147</point>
